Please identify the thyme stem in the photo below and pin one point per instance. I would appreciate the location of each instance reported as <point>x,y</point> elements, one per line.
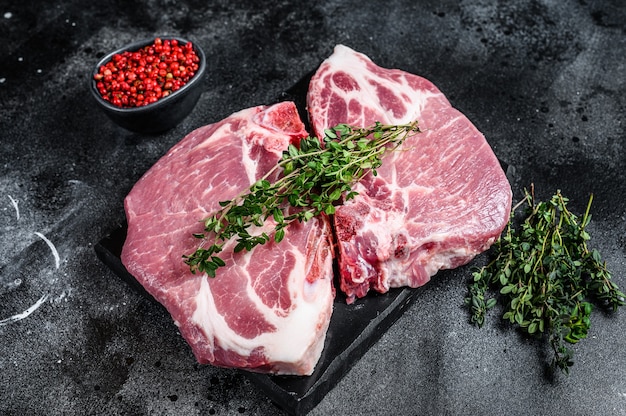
<point>546,277</point>
<point>314,179</point>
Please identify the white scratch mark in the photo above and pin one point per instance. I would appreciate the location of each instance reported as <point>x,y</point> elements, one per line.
<point>24,314</point>
<point>55,253</point>
<point>17,209</point>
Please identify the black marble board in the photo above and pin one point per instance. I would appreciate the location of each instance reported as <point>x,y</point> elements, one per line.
<point>352,331</point>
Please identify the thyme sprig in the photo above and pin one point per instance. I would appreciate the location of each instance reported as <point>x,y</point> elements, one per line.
<point>546,276</point>
<point>314,179</point>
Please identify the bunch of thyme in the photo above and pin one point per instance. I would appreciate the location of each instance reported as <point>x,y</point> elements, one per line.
<point>314,179</point>
<point>546,276</point>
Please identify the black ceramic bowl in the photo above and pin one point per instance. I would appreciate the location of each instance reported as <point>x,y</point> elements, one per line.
<point>163,114</point>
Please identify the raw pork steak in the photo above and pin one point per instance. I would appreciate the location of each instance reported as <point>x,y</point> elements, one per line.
<point>435,204</point>
<point>268,310</point>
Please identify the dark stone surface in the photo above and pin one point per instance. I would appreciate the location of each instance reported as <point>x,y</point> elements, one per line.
<point>543,80</point>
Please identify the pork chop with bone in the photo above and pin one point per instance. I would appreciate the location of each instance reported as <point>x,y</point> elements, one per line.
<point>267,310</point>
<point>435,203</point>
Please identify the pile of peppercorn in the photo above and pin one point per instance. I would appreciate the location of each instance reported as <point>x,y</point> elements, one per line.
<point>138,78</point>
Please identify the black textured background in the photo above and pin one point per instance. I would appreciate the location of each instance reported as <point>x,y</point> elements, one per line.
<point>544,80</point>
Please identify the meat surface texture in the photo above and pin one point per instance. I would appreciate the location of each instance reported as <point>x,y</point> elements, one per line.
<point>267,310</point>
<point>435,204</point>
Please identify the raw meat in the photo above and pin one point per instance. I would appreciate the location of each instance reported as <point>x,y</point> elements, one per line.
<point>434,205</point>
<point>266,311</point>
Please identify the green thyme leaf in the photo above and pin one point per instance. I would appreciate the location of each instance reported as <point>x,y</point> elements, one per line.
<point>545,277</point>
<point>314,179</point>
